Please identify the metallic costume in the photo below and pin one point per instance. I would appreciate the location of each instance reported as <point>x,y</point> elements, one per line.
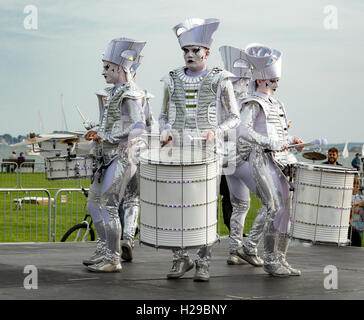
<point>195,102</point>
<point>235,61</point>
<point>264,126</point>
<point>122,120</point>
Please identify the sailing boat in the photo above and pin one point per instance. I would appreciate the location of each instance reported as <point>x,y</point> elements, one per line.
<point>345,151</point>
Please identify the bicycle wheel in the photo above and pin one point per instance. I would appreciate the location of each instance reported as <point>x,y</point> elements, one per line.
<point>79,232</point>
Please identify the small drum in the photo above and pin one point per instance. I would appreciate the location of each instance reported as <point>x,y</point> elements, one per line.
<point>63,168</point>
<point>322,202</point>
<point>53,148</point>
<point>178,198</point>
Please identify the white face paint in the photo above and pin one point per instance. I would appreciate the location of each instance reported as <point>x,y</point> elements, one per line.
<point>112,72</point>
<point>195,57</point>
<point>268,86</point>
<point>241,86</point>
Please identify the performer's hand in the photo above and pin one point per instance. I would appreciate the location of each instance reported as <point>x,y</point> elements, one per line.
<point>166,138</point>
<point>297,141</point>
<point>209,135</point>
<point>90,135</point>
<point>96,138</point>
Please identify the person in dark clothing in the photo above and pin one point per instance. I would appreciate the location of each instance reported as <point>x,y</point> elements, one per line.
<point>226,203</point>
<point>332,156</point>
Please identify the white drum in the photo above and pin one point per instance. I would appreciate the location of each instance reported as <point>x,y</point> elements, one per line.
<point>62,168</point>
<point>322,202</point>
<point>178,198</point>
<point>53,148</point>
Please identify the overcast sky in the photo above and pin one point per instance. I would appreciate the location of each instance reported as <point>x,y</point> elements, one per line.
<point>322,76</point>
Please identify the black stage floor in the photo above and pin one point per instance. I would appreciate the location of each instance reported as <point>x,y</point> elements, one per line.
<point>62,276</point>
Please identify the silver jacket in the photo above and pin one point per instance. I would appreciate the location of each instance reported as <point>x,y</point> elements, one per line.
<point>216,107</point>
<point>121,118</point>
<point>264,122</point>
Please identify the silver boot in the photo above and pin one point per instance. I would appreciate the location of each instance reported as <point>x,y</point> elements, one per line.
<point>235,259</point>
<point>105,266</point>
<point>282,248</point>
<point>271,262</point>
<point>250,257</point>
<point>127,250</point>
<point>100,251</point>
<point>180,267</point>
<point>98,255</point>
<point>202,272</point>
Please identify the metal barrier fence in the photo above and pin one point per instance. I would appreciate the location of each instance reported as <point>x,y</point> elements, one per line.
<point>30,213</point>
<point>26,215</point>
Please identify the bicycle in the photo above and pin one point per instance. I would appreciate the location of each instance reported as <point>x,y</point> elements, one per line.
<point>85,232</point>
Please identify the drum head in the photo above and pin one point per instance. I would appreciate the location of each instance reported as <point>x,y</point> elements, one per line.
<point>177,156</point>
<point>325,167</point>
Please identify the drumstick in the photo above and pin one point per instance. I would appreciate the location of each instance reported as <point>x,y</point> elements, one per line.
<point>188,138</point>
<point>83,118</point>
<point>312,143</point>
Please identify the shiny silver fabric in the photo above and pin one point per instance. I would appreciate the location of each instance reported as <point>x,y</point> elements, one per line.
<point>196,32</point>
<point>235,61</point>
<point>101,236</point>
<point>131,206</point>
<point>267,61</point>
<point>255,234</point>
<point>282,248</point>
<point>255,131</point>
<point>216,110</point>
<point>113,234</point>
<point>120,127</point>
<point>123,51</point>
<point>240,209</point>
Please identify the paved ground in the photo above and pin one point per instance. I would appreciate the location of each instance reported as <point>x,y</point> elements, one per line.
<point>62,276</point>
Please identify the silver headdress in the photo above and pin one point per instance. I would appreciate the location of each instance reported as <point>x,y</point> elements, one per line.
<point>236,61</point>
<point>123,51</point>
<point>266,61</point>
<point>196,32</point>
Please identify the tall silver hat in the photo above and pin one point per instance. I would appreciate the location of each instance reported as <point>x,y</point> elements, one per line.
<point>236,61</point>
<point>123,51</point>
<point>266,61</point>
<point>196,32</point>
<point>136,65</point>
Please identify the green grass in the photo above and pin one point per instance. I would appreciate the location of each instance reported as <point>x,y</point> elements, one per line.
<point>30,223</point>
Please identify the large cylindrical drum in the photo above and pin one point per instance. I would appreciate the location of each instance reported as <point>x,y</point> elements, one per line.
<point>178,193</point>
<point>322,202</point>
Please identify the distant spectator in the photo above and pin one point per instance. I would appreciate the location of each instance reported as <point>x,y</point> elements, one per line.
<point>357,210</point>
<point>356,162</point>
<point>13,155</point>
<point>21,156</point>
<point>332,156</point>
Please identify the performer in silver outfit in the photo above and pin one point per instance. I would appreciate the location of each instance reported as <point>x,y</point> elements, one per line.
<point>198,102</point>
<point>264,125</point>
<point>117,143</point>
<point>235,62</point>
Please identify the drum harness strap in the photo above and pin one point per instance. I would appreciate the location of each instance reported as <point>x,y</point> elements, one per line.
<point>286,169</point>
<point>100,168</point>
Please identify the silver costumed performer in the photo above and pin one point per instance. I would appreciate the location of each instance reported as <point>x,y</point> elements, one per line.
<point>198,102</point>
<point>235,61</point>
<point>118,142</point>
<point>264,125</point>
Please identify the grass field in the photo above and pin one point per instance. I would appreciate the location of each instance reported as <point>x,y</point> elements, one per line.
<point>39,222</point>
<point>33,222</point>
